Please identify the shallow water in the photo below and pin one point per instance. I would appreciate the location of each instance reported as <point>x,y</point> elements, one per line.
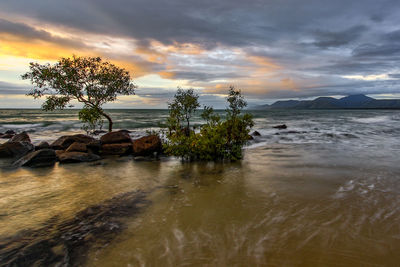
<point>281,206</point>
<point>327,194</point>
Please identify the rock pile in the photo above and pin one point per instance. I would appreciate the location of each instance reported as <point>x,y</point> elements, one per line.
<point>76,148</point>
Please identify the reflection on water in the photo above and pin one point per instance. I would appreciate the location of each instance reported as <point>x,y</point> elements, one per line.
<point>29,197</point>
<point>280,206</point>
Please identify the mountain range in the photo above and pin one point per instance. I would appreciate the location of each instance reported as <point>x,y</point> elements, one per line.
<point>349,102</point>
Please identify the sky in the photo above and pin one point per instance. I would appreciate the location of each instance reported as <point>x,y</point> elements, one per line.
<point>270,49</point>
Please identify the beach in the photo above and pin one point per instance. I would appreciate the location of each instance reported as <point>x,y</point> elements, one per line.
<point>323,192</point>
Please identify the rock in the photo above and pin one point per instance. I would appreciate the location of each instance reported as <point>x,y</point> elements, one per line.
<point>21,137</point>
<point>59,152</point>
<point>10,132</point>
<point>280,127</point>
<point>256,133</point>
<point>77,147</point>
<point>40,158</point>
<point>116,137</point>
<point>75,157</point>
<point>15,149</point>
<point>94,146</point>
<point>6,136</point>
<point>116,149</point>
<point>42,145</point>
<point>97,132</point>
<point>65,141</point>
<point>147,145</point>
<point>249,137</point>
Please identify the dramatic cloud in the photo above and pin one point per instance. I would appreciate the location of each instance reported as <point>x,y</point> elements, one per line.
<point>272,49</point>
<point>326,39</point>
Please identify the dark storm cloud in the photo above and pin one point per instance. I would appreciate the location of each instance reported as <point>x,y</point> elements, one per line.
<point>204,76</point>
<point>372,50</point>
<point>393,35</point>
<point>354,67</point>
<point>308,38</point>
<point>326,39</point>
<point>30,33</point>
<point>349,88</point>
<point>207,22</point>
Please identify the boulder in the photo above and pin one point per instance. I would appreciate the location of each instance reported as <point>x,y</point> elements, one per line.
<point>40,158</point>
<point>6,136</point>
<point>116,137</point>
<point>21,137</point>
<point>10,132</point>
<point>65,141</point>
<point>59,152</point>
<point>116,149</point>
<point>42,145</point>
<point>77,147</point>
<point>256,133</point>
<point>15,149</point>
<point>94,147</point>
<point>249,137</point>
<point>147,145</point>
<point>75,157</point>
<point>280,127</point>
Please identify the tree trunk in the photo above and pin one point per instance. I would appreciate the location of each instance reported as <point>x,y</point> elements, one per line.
<point>110,123</point>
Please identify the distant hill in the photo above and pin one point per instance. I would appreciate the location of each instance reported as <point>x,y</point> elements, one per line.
<point>349,102</point>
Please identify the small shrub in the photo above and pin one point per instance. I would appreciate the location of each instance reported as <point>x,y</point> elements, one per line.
<point>217,139</point>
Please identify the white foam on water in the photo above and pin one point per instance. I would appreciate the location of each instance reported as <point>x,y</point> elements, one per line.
<point>375,119</point>
<point>21,126</point>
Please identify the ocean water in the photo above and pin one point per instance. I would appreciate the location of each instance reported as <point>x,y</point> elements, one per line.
<point>369,127</point>
<point>323,192</point>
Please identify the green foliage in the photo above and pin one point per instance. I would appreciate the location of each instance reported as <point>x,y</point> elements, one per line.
<point>92,119</point>
<point>217,139</point>
<point>181,109</point>
<point>88,80</point>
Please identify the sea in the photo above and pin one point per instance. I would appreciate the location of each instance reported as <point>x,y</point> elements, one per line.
<point>323,192</point>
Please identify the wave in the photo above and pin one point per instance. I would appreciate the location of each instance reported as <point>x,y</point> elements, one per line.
<point>377,119</point>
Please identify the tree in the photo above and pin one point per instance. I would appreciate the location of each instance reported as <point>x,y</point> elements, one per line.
<point>181,109</point>
<point>88,80</point>
<point>237,126</point>
<point>217,139</point>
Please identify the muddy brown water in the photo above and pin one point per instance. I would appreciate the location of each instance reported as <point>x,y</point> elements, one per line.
<point>283,205</point>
